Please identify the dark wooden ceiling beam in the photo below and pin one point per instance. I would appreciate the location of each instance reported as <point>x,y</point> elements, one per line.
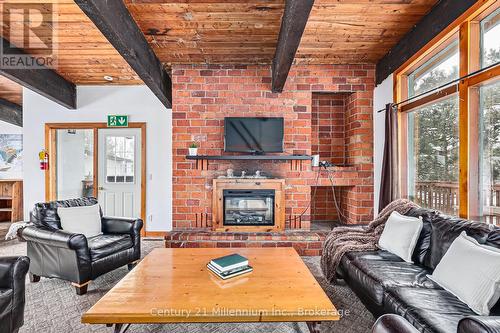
<point>293,24</point>
<point>441,15</point>
<point>44,81</point>
<point>11,112</point>
<point>116,23</point>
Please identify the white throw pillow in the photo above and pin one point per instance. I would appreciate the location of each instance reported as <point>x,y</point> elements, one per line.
<point>471,272</point>
<point>84,220</point>
<point>400,235</point>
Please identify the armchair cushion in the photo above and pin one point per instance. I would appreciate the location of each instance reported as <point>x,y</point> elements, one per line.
<point>104,245</point>
<point>44,214</point>
<point>84,220</point>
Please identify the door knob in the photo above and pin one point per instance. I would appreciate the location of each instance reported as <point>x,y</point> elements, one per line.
<point>100,188</point>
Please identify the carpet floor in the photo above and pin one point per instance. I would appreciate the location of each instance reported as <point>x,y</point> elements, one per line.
<point>53,306</point>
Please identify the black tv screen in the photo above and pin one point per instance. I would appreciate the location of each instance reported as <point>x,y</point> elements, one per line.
<point>253,135</point>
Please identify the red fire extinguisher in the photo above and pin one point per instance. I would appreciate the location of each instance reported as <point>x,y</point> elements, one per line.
<point>44,160</point>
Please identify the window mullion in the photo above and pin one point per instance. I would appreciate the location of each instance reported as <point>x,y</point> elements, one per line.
<point>463,122</point>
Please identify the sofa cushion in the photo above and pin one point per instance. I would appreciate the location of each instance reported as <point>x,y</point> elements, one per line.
<point>471,272</point>
<point>102,246</point>
<point>373,271</point>
<point>372,255</point>
<point>424,240</point>
<point>400,235</point>
<point>444,231</point>
<point>429,310</point>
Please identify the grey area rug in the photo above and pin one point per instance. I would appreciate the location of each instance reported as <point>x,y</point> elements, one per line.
<point>53,306</point>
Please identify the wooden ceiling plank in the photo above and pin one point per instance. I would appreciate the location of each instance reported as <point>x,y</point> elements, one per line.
<point>293,23</point>
<point>43,81</point>
<point>11,112</point>
<point>114,20</point>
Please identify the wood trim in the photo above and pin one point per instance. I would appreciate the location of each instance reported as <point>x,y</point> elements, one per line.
<point>431,98</point>
<point>143,177</point>
<point>221,184</point>
<point>155,234</point>
<point>483,77</point>
<point>96,162</point>
<point>50,146</point>
<point>463,124</point>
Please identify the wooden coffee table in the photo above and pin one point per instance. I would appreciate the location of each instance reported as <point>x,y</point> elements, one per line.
<point>175,286</point>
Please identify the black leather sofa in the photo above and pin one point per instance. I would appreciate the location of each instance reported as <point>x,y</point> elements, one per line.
<point>56,253</point>
<point>388,285</point>
<point>12,285</point>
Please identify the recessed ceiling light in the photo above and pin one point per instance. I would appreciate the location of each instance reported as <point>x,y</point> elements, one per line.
<point>108,78</point>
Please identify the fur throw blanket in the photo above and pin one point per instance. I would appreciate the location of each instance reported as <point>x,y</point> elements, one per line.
<point>345,239</point>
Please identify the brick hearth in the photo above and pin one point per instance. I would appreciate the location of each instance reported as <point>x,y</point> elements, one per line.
<point>307,243</point>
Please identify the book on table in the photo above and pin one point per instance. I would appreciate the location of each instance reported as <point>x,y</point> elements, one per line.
<point>229,266</point>
<point>229,262</point>
<point>231,273</point>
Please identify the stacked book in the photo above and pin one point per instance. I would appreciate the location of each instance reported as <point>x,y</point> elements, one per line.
<point>229,266</point>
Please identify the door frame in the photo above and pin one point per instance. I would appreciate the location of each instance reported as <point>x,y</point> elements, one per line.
<point>51,149</point>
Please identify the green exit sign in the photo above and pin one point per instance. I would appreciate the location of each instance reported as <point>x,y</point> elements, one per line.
<point>117,121</point>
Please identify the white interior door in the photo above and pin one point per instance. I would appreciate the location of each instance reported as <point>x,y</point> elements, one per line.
<point>119,188</point>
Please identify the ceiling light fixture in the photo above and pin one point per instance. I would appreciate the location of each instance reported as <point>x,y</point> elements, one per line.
<point>108,78</point>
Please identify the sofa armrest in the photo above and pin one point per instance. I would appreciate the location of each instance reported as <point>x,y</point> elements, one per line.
<point>479,324</point>
<point>121,225</point>
<point>391,323</point>
<point>13,270</point>
<point>54,237</point>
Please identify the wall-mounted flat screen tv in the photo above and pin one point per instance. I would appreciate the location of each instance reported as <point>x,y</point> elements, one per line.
<point>258,135</point>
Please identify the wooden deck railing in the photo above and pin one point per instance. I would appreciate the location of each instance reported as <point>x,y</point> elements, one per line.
<point>443,196</point>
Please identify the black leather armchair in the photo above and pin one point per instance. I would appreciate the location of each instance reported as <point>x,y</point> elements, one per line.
<point>12,284</point>
<point>56,253</point>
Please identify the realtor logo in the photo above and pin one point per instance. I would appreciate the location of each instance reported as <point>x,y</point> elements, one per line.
<point>29,33</point>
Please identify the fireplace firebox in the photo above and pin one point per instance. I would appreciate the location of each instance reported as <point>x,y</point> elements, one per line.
<point>248,207</point>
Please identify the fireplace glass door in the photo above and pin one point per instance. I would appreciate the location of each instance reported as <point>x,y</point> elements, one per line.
<point>248,207</point>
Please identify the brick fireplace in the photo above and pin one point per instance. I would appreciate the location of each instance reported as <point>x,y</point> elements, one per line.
<point>327,111</point>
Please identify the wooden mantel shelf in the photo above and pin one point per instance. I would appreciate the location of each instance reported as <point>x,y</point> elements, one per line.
<point>250,157</point>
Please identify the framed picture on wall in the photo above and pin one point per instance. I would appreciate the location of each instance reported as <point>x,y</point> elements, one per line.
<point>11,151</point>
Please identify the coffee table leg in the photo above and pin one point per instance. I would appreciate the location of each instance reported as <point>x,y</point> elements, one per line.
<point>313,326</point>
<point>120,328</point>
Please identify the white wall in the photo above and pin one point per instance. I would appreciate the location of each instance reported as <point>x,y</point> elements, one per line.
<point>94,103</point>
<point>7,128</point>
<point>382,95</point>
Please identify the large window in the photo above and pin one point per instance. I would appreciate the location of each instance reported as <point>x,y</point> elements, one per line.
<point>450,130</point>
<point>433,155</point>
